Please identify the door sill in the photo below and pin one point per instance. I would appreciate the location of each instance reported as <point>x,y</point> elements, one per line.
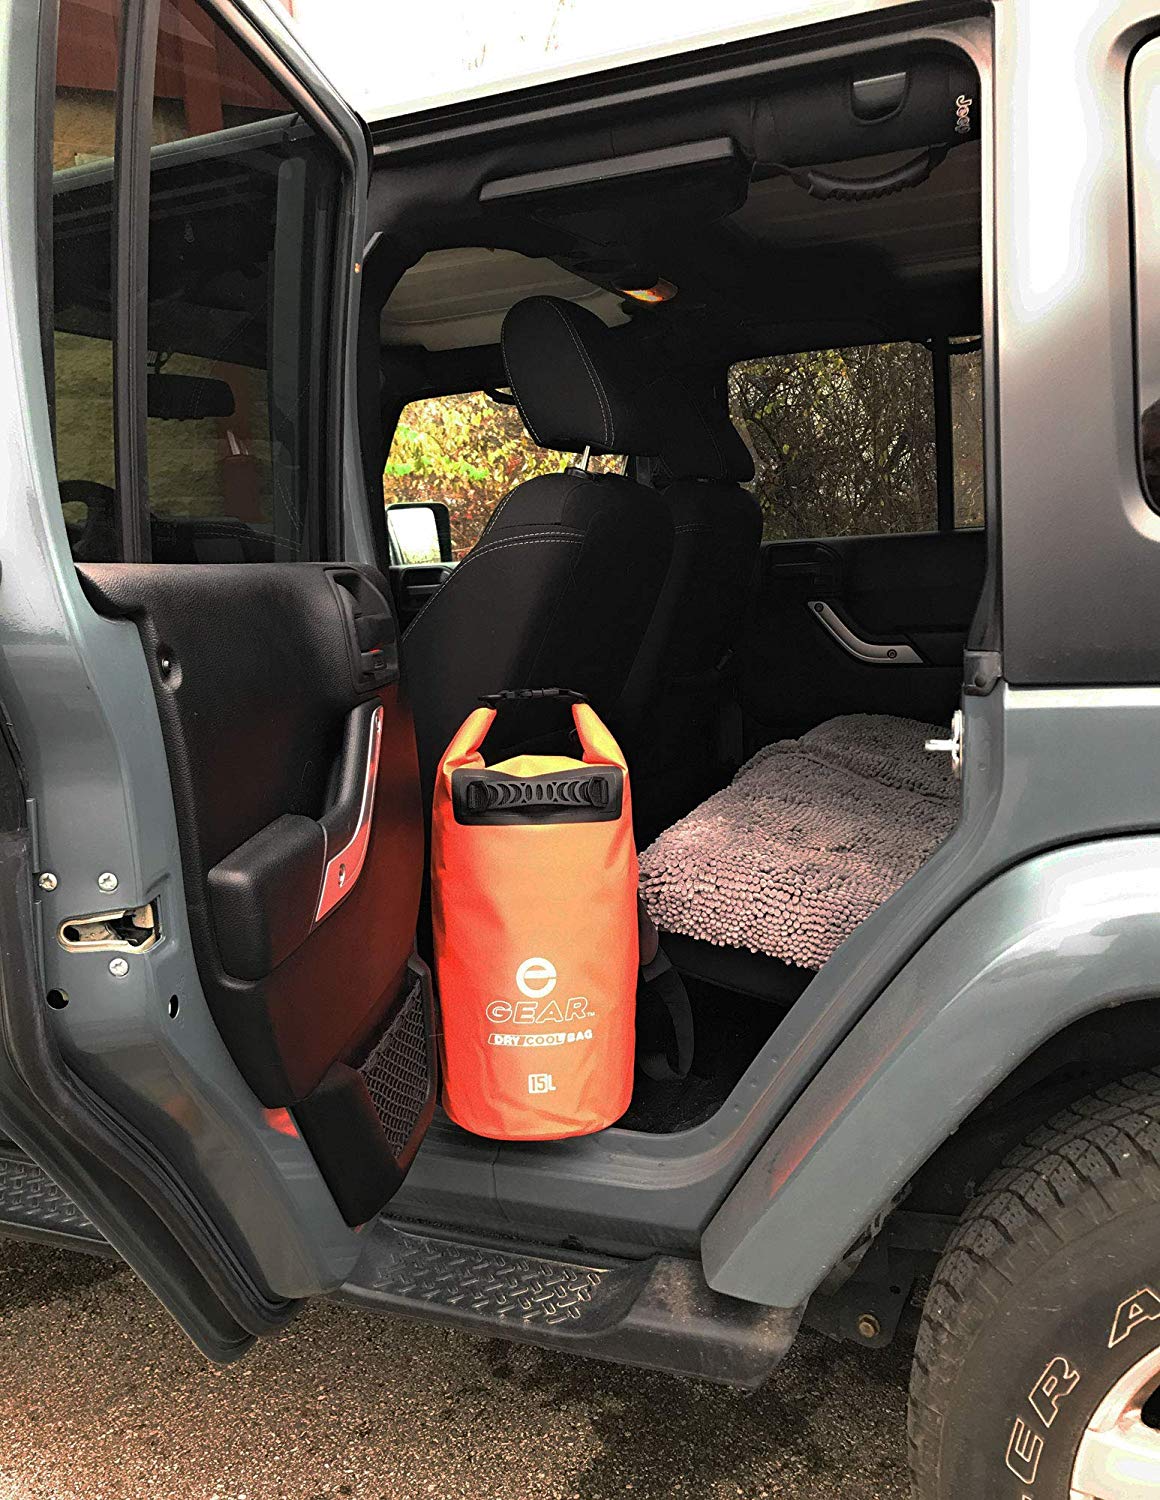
<point>657,1313</point>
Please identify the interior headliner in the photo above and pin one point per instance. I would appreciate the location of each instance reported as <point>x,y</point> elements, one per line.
<point>715,194</point>
<point>455,299</point>
<point>784,270</point>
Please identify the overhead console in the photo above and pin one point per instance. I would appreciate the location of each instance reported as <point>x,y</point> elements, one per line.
<point>696,153</point>
<point>927,106</point>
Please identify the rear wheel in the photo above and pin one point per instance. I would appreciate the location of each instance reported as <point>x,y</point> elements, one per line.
<point>1037,1368</point>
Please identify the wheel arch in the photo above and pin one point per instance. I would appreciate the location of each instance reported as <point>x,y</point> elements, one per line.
<point>1025,964</point>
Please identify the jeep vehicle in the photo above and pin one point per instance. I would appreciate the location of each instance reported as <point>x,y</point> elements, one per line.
<point>825,363</point>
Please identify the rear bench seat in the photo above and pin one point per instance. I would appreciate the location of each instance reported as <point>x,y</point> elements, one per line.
<point>755,888</point>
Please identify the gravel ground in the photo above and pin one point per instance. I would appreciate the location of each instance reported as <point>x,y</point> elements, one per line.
<point>102,1398</point>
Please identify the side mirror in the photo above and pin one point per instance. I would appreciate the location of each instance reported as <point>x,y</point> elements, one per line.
<point>419,533</point>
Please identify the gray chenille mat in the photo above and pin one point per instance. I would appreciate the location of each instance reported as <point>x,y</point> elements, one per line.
<point>806,841</point>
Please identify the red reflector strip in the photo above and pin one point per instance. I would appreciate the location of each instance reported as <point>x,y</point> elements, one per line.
<point>280,1120</point>
<point>344,868</point>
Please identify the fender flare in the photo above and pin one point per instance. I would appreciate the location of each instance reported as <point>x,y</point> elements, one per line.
<point>1052,939</point>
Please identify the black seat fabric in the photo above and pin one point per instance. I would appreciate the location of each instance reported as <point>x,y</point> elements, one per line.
<point>561,586</point>
<point>669,714</point>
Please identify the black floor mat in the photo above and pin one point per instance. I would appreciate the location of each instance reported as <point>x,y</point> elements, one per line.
<point>730,1030</point>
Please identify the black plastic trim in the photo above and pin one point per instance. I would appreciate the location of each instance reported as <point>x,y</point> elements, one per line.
<point>131,190</point>
<point>657,1313</point>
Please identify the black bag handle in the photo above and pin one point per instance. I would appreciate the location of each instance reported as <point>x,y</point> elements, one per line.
<point>523,695</point>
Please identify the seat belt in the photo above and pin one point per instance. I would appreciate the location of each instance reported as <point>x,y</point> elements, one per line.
<point>730,723</point>
<point>661,982</point>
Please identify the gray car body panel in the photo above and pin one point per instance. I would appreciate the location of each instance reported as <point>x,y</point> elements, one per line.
<point>1046,943</point>
<point>77,693</point>
<point>1080,542</point>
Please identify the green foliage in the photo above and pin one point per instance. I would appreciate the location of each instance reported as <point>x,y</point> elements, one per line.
<point>967,422</point>
<point>843,439</point>
<point>468,451</point>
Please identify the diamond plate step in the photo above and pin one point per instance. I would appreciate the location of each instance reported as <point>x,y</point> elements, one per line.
<point>32,1206</point>
<point>657,1313</point>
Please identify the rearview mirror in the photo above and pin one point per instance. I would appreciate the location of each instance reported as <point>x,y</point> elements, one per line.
<point>187,398</point>
<point>419,533</point>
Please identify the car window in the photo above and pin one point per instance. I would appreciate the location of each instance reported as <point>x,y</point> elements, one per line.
<point>242,205</point>
<point>80,362</point>
<point>1144,119</point>
<point>843,439</point>
<point>966,378</point>
<point>468,451</point>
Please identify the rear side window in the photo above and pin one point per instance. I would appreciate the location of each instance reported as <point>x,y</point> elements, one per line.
<point>468,451</point>
<point>843,439</point>
<point>966,382</point>
<point>242,203</point>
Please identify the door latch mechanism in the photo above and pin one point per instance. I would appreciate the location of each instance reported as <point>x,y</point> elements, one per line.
<point>132,929</point>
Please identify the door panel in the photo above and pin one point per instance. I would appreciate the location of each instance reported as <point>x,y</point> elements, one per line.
<point>228,1084</point>
<point>820,605</point>
<point>292,760</point>
<point>257,671</point>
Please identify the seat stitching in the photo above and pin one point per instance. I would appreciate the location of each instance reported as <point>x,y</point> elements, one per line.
<point>494,517</point>
<point>572,539</point>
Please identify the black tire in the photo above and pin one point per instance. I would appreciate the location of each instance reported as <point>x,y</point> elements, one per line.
<point>1047,1294</point>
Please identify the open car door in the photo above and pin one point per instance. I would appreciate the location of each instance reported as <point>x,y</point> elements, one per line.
<point>216,1048</point>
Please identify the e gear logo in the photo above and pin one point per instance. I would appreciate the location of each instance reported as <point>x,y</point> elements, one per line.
<point>536,978</point>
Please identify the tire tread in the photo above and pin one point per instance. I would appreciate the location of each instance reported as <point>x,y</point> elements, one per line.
<point>1089,1162</point>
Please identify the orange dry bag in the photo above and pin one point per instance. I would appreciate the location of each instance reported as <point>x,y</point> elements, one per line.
<point>533,889</point>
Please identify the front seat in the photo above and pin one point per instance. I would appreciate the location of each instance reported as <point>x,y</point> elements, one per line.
<point>674,707</point>
<point>560,587</point>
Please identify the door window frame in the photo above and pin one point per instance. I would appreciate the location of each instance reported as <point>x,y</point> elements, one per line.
<point>133,109</point>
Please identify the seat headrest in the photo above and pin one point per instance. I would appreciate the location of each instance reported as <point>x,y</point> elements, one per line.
<point>701,443</point>
<point>578,385</point>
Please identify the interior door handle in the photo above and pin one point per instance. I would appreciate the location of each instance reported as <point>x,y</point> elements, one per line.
<point>273,890</point>
<point>895,653</point>
<point>347,822</point>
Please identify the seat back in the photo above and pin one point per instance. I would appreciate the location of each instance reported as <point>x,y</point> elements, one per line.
<point>669,717</point>
<point>560,588</point>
